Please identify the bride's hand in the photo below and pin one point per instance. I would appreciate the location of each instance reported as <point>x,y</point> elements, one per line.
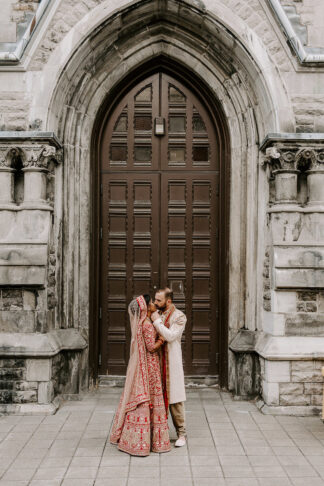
<point>155,316</point>
<point>160,338</point>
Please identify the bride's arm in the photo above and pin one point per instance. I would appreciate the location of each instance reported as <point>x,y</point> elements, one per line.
<point>149,337</point>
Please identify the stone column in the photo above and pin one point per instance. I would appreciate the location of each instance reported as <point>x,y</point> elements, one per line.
<point>283,169</point>
<point>7,175</point>
<point>323,396</point>
<point>315,177</point>
<point>35,173</point>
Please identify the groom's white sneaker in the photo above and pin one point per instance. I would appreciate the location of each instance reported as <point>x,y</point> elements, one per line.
<point>180,442</point>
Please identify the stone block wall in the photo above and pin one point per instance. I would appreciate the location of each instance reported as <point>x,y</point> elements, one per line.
<point>292,383</point>
<point>293,310</point>
<point>23,310</point>
<point>25,381</point>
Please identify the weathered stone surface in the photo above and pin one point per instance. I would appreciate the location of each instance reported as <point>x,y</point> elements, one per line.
<point>289,400</point>
<point>29,299</point>
<point>38,369</point>
<point>299,278</point>
<point>313,388</point>
<point>277,371</point>
<point>306,376</point>
<point>270,393</point>
<point>11,254</point>
<point>317,400</point>
<point>303,365</point>
<point>26,385</point>
<point>11,299</point>
<point>17,321</point>
<point>291,389</point>
<point>22,275</point>
<point>305,325</point>
<point>294,257</point>
<point>45,392</point>
<point>27,396</point>
<point>307,296</point>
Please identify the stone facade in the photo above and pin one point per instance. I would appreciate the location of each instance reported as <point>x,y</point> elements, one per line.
<point>55,79</point>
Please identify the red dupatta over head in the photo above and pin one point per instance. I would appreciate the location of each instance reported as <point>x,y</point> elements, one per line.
<point>136,390</point>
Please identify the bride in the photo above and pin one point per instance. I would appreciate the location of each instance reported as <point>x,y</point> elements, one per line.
<point>140,423</point>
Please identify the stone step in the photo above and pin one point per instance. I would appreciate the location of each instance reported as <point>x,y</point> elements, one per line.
<point>203,381</point>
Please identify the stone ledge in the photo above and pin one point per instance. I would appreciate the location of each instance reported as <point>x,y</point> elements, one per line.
<point>31,408</point>
<point>295,138</point>
<point>298,411</point>
<point>284,348</point>
<point>32,136</point>
<point>243,342</point>
<point>40,345</point>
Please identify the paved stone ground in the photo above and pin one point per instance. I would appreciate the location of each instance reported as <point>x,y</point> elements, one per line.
<point>230,443</point>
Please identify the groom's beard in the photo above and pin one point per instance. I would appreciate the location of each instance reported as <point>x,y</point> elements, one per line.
<point>162,308</point>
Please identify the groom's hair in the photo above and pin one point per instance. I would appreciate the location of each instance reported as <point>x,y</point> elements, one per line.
<point>168,293</point>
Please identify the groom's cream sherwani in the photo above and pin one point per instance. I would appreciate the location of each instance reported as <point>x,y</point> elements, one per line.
<point>172,335</point>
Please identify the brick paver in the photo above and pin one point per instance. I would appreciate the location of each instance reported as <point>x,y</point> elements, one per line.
<point>230,443</point>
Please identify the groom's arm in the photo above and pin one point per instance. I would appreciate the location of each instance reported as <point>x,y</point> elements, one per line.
<point>174,332</point>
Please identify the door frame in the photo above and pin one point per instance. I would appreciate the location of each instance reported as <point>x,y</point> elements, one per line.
<point>195,84</point>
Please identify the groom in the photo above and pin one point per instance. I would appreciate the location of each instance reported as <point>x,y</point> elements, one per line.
<point>170,323</point>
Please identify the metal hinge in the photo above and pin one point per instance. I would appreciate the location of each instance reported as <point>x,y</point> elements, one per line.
<point>101,233</point>
<point>101,191</point>
<point>100,313</point>
<point>99,359</point>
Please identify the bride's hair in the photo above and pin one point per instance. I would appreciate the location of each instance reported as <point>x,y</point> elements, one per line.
<point>147,298</point>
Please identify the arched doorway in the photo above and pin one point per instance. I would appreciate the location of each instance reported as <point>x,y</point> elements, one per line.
<point>163,175</point>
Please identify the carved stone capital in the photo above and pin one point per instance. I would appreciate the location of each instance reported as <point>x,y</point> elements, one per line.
<point>281,156</point>
<point>38,156</point>
<point>280,160</point>
<point>8,156</point>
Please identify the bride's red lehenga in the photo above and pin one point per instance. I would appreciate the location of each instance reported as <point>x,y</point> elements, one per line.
<point>140,423</point>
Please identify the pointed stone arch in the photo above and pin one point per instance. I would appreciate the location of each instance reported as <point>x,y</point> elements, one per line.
<point>200,44</point>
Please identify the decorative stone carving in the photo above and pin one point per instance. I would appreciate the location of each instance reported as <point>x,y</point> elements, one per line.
<point>39,156</point>
<point>282,165</point>
<point>8,156</point>
<point>315,178</point>
<point>32,158</point>
<point>35,170</point>
<point>285,162</point>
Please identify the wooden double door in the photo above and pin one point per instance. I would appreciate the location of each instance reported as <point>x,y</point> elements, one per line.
<point>160,218</point>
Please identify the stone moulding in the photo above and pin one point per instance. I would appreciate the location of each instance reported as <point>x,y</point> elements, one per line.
<point>279,348</point>
<point>30,136</point>
<point>40,345</point>
<point>292,348</point>
<point>305,55</point>
<point>13,57</point>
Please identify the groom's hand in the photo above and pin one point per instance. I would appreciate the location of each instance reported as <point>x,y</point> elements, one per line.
<point>155,316</point>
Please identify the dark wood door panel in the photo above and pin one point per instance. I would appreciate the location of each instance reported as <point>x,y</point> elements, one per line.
<point>189,218</point>
<point>160,218</point>
<point>130,250</point>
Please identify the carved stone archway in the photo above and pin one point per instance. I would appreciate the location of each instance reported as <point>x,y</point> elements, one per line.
<point>98,67</point>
